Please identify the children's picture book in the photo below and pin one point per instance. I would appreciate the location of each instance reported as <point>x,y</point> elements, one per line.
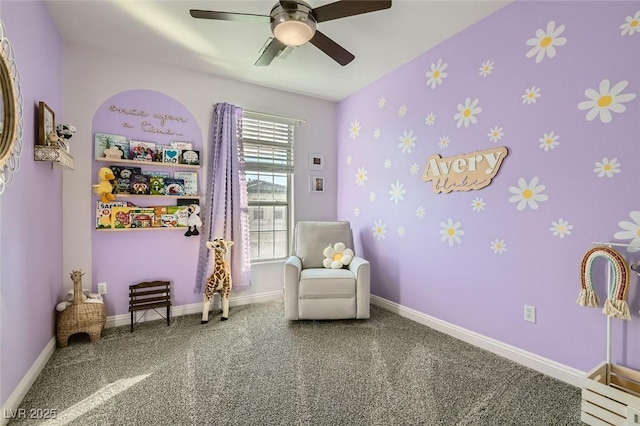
<point>141,217</point>
<point>180,213</point>
<point>190,181</point>
<point>173,186</point>
<point>105,141</point>
<point>190,157</point>
<point>155,173</point>
<point>170,155</point>
<point>182,146</point>
<point>142,151</point>
<point>156,185</point>
<point>120,217</point>
<point>159,150</point>
<point>187,201</point>
<point>123,175</point>
<point>103,213</point>
<point>140,184</point>
<point>159,212</point>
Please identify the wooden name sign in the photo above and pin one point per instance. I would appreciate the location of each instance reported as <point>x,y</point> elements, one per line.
<point>463,172</point>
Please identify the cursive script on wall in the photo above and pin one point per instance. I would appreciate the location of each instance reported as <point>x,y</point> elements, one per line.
<point>168,117</point>
<point>463,172</point>
<point>132,111</point>
<point>147,126</point>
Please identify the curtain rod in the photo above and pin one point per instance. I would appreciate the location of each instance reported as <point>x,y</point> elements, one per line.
<point>295,120</point>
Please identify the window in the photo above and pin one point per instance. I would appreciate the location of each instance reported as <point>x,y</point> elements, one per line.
<point>268,156</point>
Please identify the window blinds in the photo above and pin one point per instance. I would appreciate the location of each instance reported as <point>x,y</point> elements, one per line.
<point>268,145</point>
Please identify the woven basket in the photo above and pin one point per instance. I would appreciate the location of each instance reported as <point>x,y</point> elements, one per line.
<point>80,317</point>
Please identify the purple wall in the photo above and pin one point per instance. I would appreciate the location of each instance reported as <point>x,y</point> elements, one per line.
<point>123,258</point>
<point>31,208</point>
<point>465,282</point>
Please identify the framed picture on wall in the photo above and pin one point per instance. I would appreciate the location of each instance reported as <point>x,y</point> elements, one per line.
<point>316,162</point>
<point>317,183</point>
<point>46,123</point>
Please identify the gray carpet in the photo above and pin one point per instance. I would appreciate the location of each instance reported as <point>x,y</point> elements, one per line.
<point>258,369</point>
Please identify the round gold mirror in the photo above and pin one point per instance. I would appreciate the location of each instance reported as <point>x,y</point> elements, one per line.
<point>11,107</point>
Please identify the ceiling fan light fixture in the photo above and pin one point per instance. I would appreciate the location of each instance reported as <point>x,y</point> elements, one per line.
<point>294,33</point>
<point>293,27</point>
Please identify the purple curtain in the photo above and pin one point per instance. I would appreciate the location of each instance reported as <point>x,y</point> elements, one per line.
<point>225,212</point>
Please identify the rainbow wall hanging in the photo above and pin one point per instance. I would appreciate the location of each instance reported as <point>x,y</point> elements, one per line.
<point>616,303</point>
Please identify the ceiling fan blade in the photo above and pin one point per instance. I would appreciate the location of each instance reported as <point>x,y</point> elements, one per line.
<point>344,8</point>
<point>229,16</point>
<point>289,5</point>
<point>270,52</point>
<point>331,48</point>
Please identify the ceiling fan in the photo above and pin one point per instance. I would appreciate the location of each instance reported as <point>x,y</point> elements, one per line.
<point>293,23</point>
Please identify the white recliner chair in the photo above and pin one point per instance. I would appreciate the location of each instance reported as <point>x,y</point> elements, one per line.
<point>312,292</point>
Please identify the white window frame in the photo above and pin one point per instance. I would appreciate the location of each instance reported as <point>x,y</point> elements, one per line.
<point>276,135</point>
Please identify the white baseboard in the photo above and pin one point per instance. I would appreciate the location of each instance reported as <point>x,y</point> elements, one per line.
<point>14,400</point>
<point>193,308</point>
<point>546,366</point>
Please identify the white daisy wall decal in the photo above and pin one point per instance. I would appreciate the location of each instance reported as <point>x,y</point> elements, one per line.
<point>435,76</point>
<point>376,134</point>
<point>631,25</point>
<point>478,204</point>
<point>382,102</point>
<point>401,231</point>
<point>354,129</point>
<point>486,68</point>
<point>607,167</point>
<point>361,176</point>
<point>606,99</point>
<point>420,212</point>
<point>530,95</point>
<point>397,191</point>
<point>545,42</point>
<point>387,164</point>
<point>451,232</point>
<point>349,159</point>
<point>402,111</point>
<point>356,211</point>
<point>407,141</point>
<point>444,142</point>
<point>430,119</point>
<point>379,230</point>
<point>413,169</point>
<point>498,246</point>
<point>549,141</point>
<point>372,196</point>
<point>467,112</point>
<point>495,134</point>
<point>631,231</point>
<point>561,228</point>
<point>527,194</point>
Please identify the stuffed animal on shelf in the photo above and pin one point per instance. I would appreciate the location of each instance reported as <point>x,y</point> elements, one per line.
<point>219,280</point>
<point>194,221</point>
<point>104,187</point>
<point>65,131</point>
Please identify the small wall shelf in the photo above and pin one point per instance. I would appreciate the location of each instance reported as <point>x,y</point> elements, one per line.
<point>147,163</point>
<point>156,196</point>
<point>153,228</point>
<point>54,155</point>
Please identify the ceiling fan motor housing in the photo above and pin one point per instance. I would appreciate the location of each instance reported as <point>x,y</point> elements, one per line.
<point>293,27</point>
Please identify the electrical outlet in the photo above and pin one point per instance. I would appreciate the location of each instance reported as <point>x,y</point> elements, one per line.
<point>102,288</point>
<point>530,313</point>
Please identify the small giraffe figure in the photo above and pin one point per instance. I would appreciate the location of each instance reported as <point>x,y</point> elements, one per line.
<point>219,280</point>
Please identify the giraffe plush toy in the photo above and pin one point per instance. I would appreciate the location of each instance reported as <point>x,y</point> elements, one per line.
<point>219,280</point>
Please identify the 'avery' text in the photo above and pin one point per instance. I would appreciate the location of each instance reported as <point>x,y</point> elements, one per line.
<point>463,172</point>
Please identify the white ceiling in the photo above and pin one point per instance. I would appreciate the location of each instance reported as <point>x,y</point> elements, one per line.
<point>163,31</point>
